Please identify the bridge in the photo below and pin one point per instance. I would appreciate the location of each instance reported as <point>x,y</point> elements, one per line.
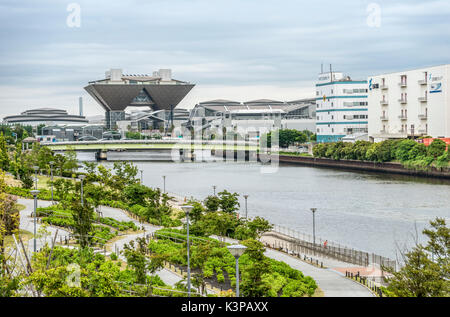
<point>157,149</point>
<point>153,144</point>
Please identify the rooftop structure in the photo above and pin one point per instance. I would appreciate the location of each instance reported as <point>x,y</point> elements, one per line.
<point>47,116</point>
<point>117,91</point>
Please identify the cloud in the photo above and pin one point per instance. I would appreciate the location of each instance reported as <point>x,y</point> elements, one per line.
<point>219,45</point>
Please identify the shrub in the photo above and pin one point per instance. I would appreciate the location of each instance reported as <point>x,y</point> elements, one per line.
<point>436,148</point>
<point>417,150</point>
<point>402,152</point>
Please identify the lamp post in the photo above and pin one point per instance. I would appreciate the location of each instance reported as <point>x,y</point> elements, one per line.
<point>314,227</point>
<point>214,189</point>
<point>34,193</point>
<point>246,214</point>
<point>164,185</point>
<point>51,177</point>
<point>187,209</point>
<point>81,177</point>
<point>142,178</point>
<point>36,168</point>
<point>237,250</point>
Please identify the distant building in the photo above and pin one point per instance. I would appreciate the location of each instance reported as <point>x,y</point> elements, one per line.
<point>71,132</point>
<point>342,107</point>
<point>270,114</point>
<point>118,91</point>
<point>410,103</point>
<point>47,116</point>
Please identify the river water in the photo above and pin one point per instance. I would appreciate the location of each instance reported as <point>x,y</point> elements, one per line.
<point>367,211</point>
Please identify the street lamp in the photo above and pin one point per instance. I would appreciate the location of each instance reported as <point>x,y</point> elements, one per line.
<point>314,226</point>
<point>51,176</point>
<point>36,168</point>
<point>164,188</point>
<point>214,189</point>
<point>237,250</point>
<point>142,179</point>
<point>81,177</point>
<point>187,209</point>
<point>246,196</point>
<point>34,193</point>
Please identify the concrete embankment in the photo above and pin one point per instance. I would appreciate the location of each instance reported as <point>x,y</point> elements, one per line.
<point>386,167</point>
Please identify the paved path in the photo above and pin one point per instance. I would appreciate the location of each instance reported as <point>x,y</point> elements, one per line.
<point>27,223</point>
<point>332,283</point>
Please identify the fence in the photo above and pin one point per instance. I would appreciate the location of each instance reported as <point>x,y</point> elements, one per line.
<point>297,243</point>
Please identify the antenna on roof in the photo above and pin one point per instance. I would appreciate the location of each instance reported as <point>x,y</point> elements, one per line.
<point>331,73</point>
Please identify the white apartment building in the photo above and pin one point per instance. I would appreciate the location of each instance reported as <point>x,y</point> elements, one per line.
<point>410,103</point>
<point>341,107</point>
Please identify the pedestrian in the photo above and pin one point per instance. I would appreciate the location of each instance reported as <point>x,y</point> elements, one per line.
<point>325,244</point>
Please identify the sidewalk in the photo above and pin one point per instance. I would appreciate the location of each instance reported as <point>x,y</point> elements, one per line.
<point>333,283</point>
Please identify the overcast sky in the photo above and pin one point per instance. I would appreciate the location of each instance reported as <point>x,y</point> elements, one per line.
<point>234,49</point>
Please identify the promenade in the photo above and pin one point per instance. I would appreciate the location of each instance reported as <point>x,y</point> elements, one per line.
<point>332,282</point>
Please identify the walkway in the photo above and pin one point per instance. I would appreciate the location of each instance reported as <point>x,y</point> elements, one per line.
<point>332,282</point>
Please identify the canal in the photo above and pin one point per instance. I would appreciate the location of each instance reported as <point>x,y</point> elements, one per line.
<point>367,211</point>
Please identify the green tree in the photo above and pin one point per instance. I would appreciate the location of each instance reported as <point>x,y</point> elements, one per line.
<point>253,284</point>
<point>426,269</point>
<point>212,203</point>
<point>83,217</point>
<point>418,150</point>
<point>436,148</point>
<point>402,152</point>
<point>70,163</point>
<point>229,202</point>
<point>4,158</point>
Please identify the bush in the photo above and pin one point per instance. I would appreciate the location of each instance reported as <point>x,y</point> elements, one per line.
<point>402,152</point>
<point>418,150</point>
<point>436,148</point>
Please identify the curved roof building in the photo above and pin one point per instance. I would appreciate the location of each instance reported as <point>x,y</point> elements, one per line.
<point>118,91</point>
<point>47,116</point>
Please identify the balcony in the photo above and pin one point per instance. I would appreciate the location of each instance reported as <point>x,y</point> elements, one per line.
<point>423,116</point>
<point>422,130</point>
<point>383,131</point>
<point>384,102</point>
<point>402,85</point>
<point>383,87</point>
<point>422,82</point>
<point>423,99</point>
<point>402,117</point>
<point>384,118</point>
<point>402,131</point>
<point>402,101</point>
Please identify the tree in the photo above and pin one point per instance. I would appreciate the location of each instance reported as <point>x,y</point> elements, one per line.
<point>137,194</point>
<point>418,150</point>
<point>9,219</point>
<point>402,152</point>
<point>436,148</point>
<point>259,226</point>
<point>229,202</point>
<point>252,284</point>
<point>83,216</point>
<point>70,163</point>
<point>4,158</point>
<point>212,203</point>
<point>426,269</point>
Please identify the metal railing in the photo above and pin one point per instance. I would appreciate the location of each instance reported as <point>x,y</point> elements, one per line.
<point>296,242</point>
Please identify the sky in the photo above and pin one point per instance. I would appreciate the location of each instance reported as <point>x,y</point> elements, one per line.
<point>236,49</point>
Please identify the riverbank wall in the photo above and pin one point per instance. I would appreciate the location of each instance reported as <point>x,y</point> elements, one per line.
<point>385,167</point>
